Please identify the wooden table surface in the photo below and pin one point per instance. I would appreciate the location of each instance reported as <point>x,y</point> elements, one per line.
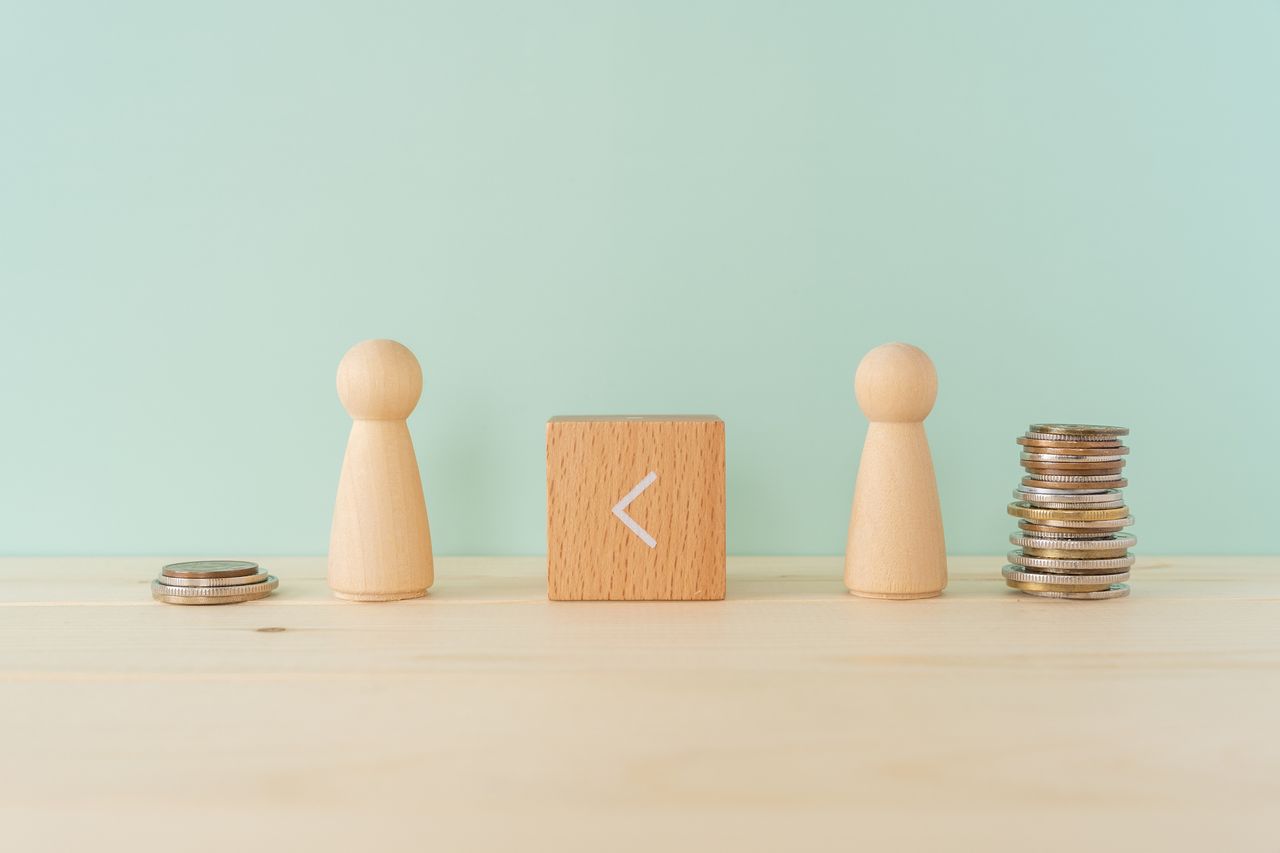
<point>790,716</point>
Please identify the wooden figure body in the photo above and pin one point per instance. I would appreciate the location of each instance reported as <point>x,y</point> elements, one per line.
<point>896,547</point>
<point>635,508</point>
<point>380,545</point>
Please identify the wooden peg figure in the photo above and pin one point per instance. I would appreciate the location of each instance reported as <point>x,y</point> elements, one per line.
<point>380,545</point>
<point>896,548</point>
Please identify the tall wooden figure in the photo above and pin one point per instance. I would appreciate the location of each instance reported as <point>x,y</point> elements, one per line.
<point>896,549</point>
<point>380,546</point>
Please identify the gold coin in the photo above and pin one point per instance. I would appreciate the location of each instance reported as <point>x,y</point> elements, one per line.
<point>1021,509</point>
<point>1075,484</point>
<point>1098,448</point>
<point>1074,467</point>
<point>1079,429</point>
<point>1075,553</point>
<point>1118,590</point>
<point>1105,524</point>
<point>1056,587</point>
<point>1084,529</point>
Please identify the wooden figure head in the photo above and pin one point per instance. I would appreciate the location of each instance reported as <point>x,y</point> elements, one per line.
<point>379,380</point>
<point>896,383</point>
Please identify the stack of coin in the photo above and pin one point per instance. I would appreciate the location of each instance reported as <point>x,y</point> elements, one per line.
<point>1071,514</point>
<point>212,582</point>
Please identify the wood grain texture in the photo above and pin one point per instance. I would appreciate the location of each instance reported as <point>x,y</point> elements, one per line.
<point>592,462</point>
<point>790,716</point>
<point>380,542</point>
<point>896,547</point>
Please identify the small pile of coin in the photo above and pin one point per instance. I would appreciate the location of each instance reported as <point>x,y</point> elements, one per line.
<point>212,582</point>
<point>1071,514</point>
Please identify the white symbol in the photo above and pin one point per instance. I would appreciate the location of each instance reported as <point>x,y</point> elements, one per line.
<point>620,510</point>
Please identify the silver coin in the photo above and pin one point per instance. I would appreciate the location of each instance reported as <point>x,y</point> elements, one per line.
<point>1029,479</point>
<point>1030,493</point>
<point>213,594</point>
<point>1057,565</point>
<point>210,569</point>
<point>270,583</point>
<point>1055,436</point>
<point>1051,501</point>
<point>1070,535</point>
<point>1017,573</point>
<point>1049,540</point>
<point>1061,457</point>
<point>1094,450</point>
<point>1104,524</point>
<point>1059,505</point>
<point>1116,591</point>
<point>1069,496</point>
<point>241,580</point>
<point>226,599</point>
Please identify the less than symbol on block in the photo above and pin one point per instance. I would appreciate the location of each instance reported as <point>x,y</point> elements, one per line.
<point>620,509</point>
<point>596,549</point>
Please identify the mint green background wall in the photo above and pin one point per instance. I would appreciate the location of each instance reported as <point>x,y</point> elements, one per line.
<point>650,206</point>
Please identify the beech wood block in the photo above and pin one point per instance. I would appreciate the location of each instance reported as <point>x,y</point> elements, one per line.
<point>635,508</point>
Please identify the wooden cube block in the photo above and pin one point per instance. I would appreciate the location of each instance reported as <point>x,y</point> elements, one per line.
<point>635,508</point>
